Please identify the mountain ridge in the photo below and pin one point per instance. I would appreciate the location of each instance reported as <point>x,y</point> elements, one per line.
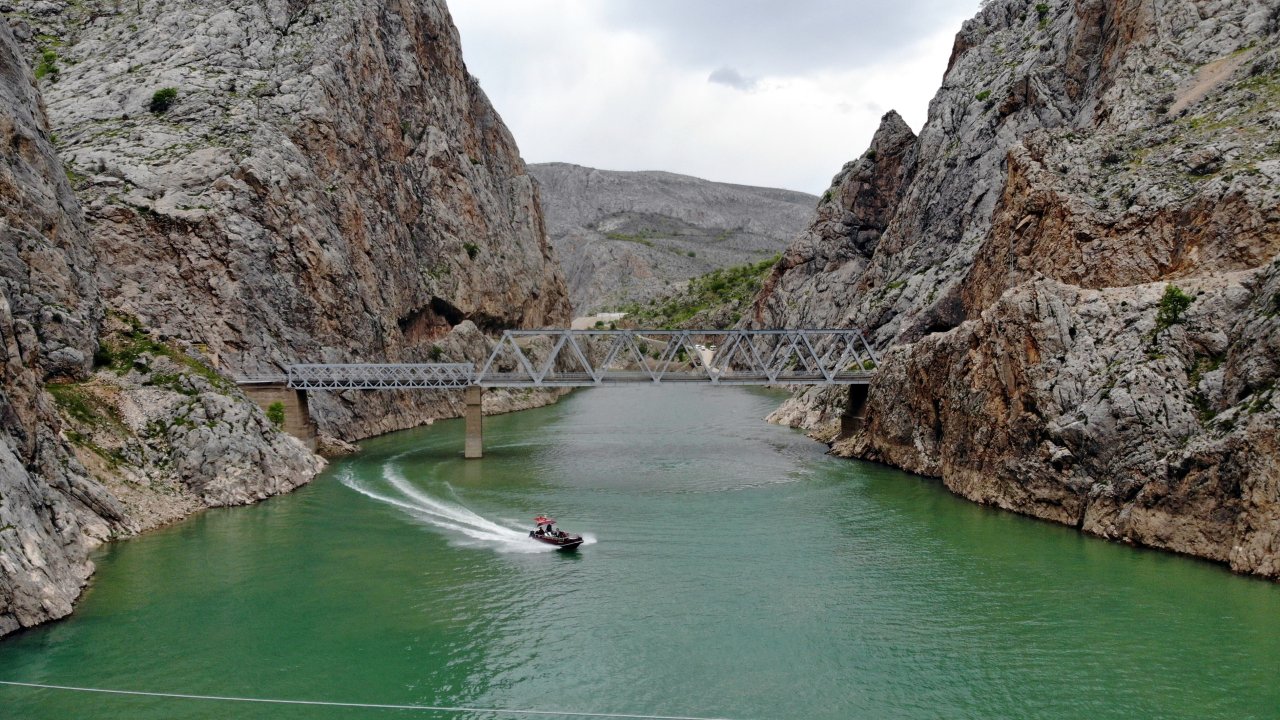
<point>631,236</point>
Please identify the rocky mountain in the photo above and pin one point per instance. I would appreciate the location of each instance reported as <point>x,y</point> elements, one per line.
<point>88,456</point>
<point>625,237</point>
<point>191,192</point>
<point>1073,272</point>
<point>296,181</point>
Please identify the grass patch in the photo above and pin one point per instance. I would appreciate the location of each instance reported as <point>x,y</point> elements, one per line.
<point>644,237</point>
<point>77,403</point>
<point>727,286</point>
<point>48,66</point>
<point>170,381</point>
<point>121,352</point>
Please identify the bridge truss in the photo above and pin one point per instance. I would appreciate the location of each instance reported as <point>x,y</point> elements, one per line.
<point>384,376</point>
<point>586,358</point>
<point>580,358</point>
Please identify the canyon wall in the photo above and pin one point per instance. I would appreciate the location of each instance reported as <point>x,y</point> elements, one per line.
<point>86,456</point>
<point>328,184</point>
<point>1014,262</point>
<point>191,193</point>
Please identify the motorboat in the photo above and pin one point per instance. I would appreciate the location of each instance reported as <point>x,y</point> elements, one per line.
<point>547,533</point>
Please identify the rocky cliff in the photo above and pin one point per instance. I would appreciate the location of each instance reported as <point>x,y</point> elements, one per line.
<point>48,318</point>
<point>1015,261</point>
<point>88,456</point>
<point>217,191</point>
<point>625,237</point>
<point>315,181</point>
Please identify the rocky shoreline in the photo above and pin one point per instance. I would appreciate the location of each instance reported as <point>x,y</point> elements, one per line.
<point>195,193</point>
<point>1074,272</point>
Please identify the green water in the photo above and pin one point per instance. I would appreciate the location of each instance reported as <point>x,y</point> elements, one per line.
<point>735,572</point>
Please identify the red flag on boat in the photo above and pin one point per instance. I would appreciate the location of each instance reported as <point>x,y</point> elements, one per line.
<point>544,520</point>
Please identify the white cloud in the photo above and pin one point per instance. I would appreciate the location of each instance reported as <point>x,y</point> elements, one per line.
<point>576,84</point>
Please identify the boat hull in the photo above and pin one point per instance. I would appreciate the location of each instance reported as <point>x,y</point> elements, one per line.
<point>566,544</point>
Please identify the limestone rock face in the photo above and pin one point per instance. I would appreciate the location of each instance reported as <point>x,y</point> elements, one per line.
<point>329,184</point>
<point>1081,156</point>
<point>626,237</point>
<point>85,457</point>
<point>49,507</point>
<point>235,187</point>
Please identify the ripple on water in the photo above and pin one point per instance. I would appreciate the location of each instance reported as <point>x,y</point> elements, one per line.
<point>734,571</point>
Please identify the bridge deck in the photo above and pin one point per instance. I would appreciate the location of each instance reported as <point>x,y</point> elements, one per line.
<point>591,358</point>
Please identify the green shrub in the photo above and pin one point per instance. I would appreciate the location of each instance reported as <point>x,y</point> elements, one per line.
<point>48,66</point>
<point>163,99</point>
<point>1173,304</point>
<point>982,96</point>
<point>1042,11</point>
<point>472,249</point>
<point>275,413</point>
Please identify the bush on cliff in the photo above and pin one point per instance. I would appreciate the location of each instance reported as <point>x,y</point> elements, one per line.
<point>275,413</point>
<point>163,99</point>
<point>1173,304</point>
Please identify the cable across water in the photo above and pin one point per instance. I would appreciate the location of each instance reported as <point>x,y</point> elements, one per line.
<point>368,706</point>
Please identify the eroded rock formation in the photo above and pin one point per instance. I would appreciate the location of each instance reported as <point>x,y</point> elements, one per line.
<point>329,184</point>
<point>323,182</point>
<point>85,457</point>
<point>625,237</point>
<point>1080,157</point>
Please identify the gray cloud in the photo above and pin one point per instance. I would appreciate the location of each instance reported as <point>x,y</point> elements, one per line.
<point>795,37</point>
<point>733,78</point>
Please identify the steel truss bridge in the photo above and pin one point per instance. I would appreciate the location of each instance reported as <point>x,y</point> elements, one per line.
<point>588,358</point>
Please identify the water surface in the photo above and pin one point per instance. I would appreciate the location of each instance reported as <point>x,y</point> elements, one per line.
<point>733,570</point>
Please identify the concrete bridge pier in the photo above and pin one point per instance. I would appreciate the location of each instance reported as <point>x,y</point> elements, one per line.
<point>474,414</point>
<point>854,418</point>
<point>297,415</point>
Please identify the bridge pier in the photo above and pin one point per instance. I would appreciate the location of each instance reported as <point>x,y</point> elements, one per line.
<point>297,415</point>
<point>855,413</point>
<point>474,414</point>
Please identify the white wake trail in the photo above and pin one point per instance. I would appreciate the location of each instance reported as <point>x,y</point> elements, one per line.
<point>463,526</point>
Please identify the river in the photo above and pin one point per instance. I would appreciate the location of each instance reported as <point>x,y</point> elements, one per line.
<point>732,570</point>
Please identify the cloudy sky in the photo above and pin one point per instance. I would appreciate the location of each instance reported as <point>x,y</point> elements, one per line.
<point>777,93</point>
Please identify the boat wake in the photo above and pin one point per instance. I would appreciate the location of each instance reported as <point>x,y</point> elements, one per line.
<point>462,526</point>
